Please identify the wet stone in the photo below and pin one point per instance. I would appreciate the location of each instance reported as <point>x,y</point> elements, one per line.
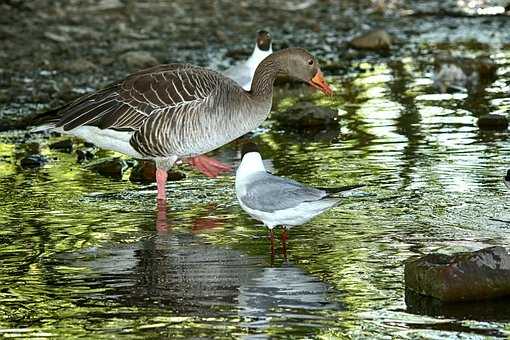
<point>493,122</point>
<point>31,148</point>
<point>305,115</point>
<point>145,172</point>
<point>65,145</point>
<point>33,161</point>
<point>112,167</point>
<point>467,276</point>
<point>487,310</point>
<point>461,73</point>
<point>374,40</point>
<point>86,154</point>
<point>138,59</point>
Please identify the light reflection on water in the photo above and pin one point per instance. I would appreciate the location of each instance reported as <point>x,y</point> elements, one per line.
<point>86,255</point>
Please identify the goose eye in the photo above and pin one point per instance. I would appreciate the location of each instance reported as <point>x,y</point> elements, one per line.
<point>310,62</point>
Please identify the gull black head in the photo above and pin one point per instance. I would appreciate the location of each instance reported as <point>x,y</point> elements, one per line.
<point>263,40</point>
<point>249,147</point>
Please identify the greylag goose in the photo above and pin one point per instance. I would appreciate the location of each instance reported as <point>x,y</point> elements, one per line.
<point>243,72</point>
<point>278,201</point>
<point>179,111</point>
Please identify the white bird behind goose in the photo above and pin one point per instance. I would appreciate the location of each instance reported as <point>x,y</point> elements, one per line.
<point>243,72</point>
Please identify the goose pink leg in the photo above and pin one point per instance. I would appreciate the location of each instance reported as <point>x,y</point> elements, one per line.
<point>161,176</point>
<point>208,166</point>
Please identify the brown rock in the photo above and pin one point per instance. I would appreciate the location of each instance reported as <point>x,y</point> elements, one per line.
<point>469,276</point>
<point>65,145</point>
<point>109,167</point>
<point>305,115</point>
<point>374,40</point>
<point>145,172</point>
<point>492,122</point>
<point>138,59</point>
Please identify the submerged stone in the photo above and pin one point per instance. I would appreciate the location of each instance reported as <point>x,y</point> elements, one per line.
<point>145,172</point>
<point>305,115</point>
<point>493,122</point>
<point>112,167</point>
<point>467,276</point>
<point>65,145</point>
<point>487,310</point>
<point>33,161</point>
<point>377,39</point>
<point>461,73</point>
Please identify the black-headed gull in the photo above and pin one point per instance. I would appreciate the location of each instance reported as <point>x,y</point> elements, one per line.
<point>243,72</point>
<point>278,201</point>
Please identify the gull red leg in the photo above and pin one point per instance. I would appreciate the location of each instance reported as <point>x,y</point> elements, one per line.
<point>161,176</point>
<point>284,238</point>
<point>271,237</point>
<point>208,166</point>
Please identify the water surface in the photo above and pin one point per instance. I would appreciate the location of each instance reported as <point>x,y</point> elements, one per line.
<point>83,255</point>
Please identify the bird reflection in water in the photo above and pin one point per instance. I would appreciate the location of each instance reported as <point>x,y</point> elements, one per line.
<point>199,224</point>
<point>161,220</point>
<point>188,275</point>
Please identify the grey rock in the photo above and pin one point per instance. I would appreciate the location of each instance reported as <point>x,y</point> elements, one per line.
<point>493,122</point>
<point>112,167</point>
<point>467,276</point>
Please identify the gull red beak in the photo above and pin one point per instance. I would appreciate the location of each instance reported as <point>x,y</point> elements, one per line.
<point>319,83</point>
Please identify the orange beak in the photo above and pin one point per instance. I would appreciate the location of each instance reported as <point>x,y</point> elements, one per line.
<point>319,82</point>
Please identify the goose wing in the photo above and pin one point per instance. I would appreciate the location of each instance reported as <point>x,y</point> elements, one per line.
<point>128,104</point>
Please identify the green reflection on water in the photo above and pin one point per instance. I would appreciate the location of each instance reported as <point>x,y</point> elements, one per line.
<point>83,255</point>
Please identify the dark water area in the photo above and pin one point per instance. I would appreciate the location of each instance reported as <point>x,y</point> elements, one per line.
<point>85,255</point>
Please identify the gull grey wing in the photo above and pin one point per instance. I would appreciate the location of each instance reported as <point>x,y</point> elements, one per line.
<point>269,193</point>
<point>240,73</point>
<point>127,104</point>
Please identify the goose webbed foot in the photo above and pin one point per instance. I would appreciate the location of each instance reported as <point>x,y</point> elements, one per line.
<point>208,166</point>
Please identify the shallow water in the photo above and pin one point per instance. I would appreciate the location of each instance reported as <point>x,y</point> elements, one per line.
<point>83,255</point>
